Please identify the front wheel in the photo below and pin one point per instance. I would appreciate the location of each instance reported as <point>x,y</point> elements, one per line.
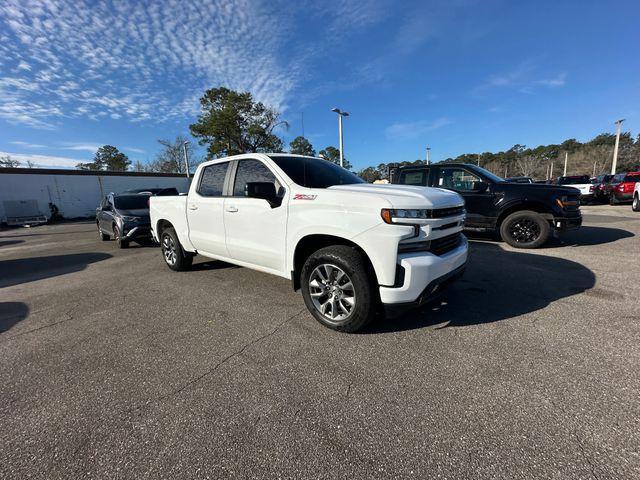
<point>174,256</point>
<point>117,234</point>
<point>337,288</point>
<point>103,236</point>
<point>613,200</point>
<point>525,229</point>
<point>635,206</point>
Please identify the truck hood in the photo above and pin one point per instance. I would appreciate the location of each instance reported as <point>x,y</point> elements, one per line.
<point>537,187</point>
<point>406,196</point>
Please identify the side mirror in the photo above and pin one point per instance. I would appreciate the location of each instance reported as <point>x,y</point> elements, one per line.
<point>479,187</point>
<point>263,190</point>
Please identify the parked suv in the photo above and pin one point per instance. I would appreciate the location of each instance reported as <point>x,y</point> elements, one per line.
<point>524,215</point>
<point>123,217</point>
<point>599,185</point>
<point>348,245</point>
<point>621,187</point>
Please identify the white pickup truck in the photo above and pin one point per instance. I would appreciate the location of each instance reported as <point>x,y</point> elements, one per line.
<point>348,245</point>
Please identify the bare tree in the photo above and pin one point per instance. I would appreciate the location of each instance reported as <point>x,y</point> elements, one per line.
<point>527,164</point>
<point>171,158</point>
<point>8,162</point>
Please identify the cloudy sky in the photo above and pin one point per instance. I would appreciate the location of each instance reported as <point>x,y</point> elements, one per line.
<point>460,76</point>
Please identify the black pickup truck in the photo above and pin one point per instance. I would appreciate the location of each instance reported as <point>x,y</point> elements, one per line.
<point>524,215</point>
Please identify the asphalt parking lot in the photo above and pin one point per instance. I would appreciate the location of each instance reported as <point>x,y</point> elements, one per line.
<point>113,366</point>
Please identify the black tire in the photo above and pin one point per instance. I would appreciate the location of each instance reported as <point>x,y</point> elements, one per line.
<point>179,260</point>
<point>525,229</point>
<point>613,200</point>
<point>103,236</point>
<point>355,266</point>
<point>117,235</point>
<point>635,206</point>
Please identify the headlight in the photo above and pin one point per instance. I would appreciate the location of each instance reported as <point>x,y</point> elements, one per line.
<point>564,202</point>
<point>130,219</point>
<point>406,216</point>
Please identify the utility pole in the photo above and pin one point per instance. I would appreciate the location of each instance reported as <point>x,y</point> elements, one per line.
<point>551,172</point>
<point>302,120</point>
<point>340,115</point>
<point>547,174</point>
<point>614,165</point>
<point>186,156</point>
<point>594,168</point>
<point>428,160</point>
<point>566,158</point>
<point>478,159</point>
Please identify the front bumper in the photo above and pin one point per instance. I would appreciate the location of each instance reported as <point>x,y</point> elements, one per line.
<point>141,231</point>
<point>563,224</point>
<point>421,270</point>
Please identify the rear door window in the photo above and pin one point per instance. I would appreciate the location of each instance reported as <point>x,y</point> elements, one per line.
<point>212,180</point>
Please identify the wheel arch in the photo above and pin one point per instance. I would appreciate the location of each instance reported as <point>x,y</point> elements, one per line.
<point>314,242</point>
<point>162,225</point>
<point>537,207</point>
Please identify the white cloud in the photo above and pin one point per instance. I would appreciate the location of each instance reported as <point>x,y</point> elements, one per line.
<point>524,78</point>
<point>409,130</point>
<point>134,150</point>
<point>81,147</point>
<point>27,144</point>
<point>138,60</point>
<point>42,160</point>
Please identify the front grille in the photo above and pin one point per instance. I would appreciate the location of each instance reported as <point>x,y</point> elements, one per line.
<point>446,212</point>
<point>443,245</point>
<point>438,247</point>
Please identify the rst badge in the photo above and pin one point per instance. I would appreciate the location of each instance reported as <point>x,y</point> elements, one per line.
<point>302,196</point>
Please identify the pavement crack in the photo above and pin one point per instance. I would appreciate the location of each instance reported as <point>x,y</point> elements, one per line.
<point>223,361</point>
<point>48,325</point>
<point>585,455</point>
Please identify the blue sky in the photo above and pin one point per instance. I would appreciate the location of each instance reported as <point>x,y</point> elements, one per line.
<point>460,76</point>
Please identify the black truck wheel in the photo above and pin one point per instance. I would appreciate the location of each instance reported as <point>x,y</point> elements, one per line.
<point>525,229</point>
<point>337,288</point>
<point>172,252</point>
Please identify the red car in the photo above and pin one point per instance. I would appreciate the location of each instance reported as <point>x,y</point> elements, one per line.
<point>621,187</point>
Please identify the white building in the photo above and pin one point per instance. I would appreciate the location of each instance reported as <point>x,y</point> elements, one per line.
<point>26,192</point>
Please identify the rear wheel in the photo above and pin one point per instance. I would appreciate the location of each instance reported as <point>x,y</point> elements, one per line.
<point>525,229</point>
<point>337,288</point>
<point>174,255</point>
<point>613,200</point>
<point>635,206</point>
<point>117,235</point>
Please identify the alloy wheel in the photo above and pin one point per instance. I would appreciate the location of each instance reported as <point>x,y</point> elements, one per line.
<point>169,250</point>
<point>332,292</point>
<point>524,230</point>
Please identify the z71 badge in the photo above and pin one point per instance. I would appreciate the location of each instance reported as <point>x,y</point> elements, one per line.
<point>302,196</point>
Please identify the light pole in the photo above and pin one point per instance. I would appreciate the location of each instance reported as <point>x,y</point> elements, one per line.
<point>340,115</point>
<point>615,148</point>
<point>186,156</point>
<point>428,160</point>
<point>566,158</point>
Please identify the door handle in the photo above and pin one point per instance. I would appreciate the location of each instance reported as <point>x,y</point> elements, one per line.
<point>193,207</point>
<point>232,209</point>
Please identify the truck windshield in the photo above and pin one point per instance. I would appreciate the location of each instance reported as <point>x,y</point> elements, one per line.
<point>491,176</point>
<point>131,202</point>
<point>315,172</point>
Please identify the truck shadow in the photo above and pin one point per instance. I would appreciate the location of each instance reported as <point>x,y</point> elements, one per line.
<point>12,313</point>
<point>497,285</point>
<point>588,235</point>
<point>23,270</point>
<point>4,243</point>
